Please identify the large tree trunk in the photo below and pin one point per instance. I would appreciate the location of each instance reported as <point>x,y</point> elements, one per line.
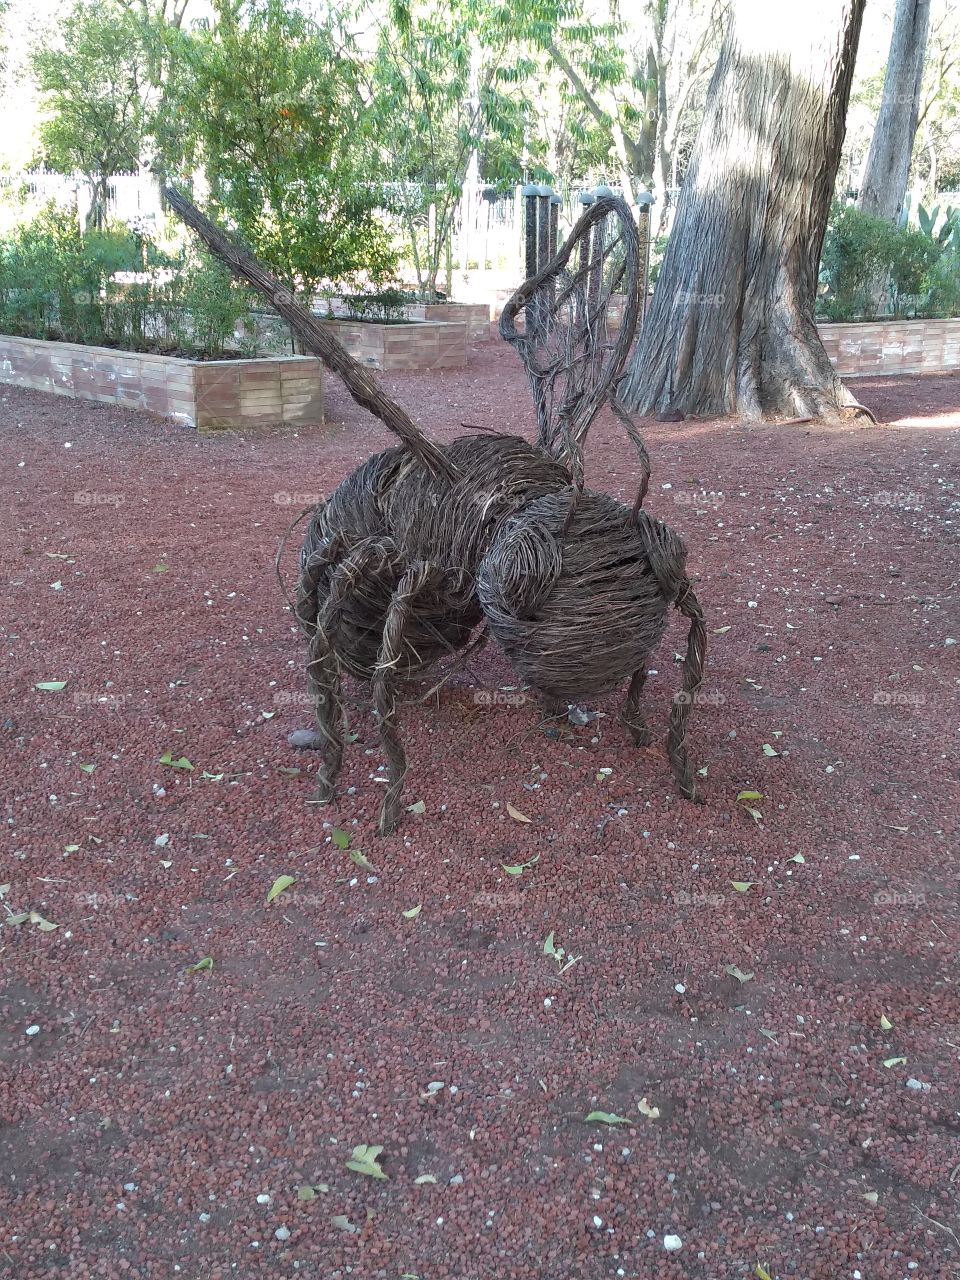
<point>731,328</point>
<point>891,148</point>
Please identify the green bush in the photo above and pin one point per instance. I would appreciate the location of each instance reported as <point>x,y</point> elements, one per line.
<point>943,298</point>
<point>57,282</point>
<point>871,268</point>
<point>386,306</point>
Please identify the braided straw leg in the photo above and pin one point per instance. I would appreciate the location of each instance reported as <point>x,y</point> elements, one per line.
<point>386,680</point>
<point>630,714</point>
<point>683,701</point>
<point>323,673</point>
<point>323,678</point>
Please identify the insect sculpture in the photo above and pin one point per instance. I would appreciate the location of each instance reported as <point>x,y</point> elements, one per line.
<point>424,549</point>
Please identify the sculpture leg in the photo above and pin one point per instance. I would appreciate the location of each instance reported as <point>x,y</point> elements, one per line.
<point>631,716</point>
<point>323,673</point>
<point>386,682</point>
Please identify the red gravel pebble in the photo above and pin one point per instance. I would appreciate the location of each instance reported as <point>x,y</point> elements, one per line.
<point>141,1122</point>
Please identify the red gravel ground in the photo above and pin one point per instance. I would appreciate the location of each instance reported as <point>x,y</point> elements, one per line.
<point>158,1123</point>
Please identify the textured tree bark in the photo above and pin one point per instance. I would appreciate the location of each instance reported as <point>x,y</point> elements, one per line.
<point>891,148</point>
<point>731,328</point>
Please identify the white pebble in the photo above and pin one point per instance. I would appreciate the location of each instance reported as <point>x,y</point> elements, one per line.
<point>597,1222</point>
<point>679,988</point>
<point>263,1199</point>
<point>33,1031</point>
<point>672,1243</point>
<point>282,1233</point>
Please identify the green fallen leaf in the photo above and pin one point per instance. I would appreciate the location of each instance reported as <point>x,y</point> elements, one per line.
<point>770,751</point>
<point>88,768</point>
<point>606,1117</point>
<point>205,963</point>
<point>871,1197</point>
<point>417,807</point>
<point>797,857</point>
<point>211,777</point>
<point>180,763</point>
<point>161,568</point>
<point>361,860</point>
<point>412,913</point>
<point>703,772</point>
<point>721,631</point>
<point>424,1179</point>
<point>762,1273</point>
<point>742,886</point>
<point>735,972</point>
<point>749,795</point>
<point>343,1222</point>
<point>45,926</point>
<point>340,838</point>
<point>306,1193</point>
<point>549,948</point>
<point>51,686</point>
<point>885,1023</point>
<point>279,885</point>
<point>518,868</point>
<point>769,1034</point>
<point>894,1062</point>
<point>365,1160</point>
<point>289,773</point>
<point>755,814</point>
<point>70,848</point>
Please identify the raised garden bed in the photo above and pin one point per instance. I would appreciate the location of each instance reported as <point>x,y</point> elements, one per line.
<point>208,394</point>
<point>878,347</point>
<point>414,346</point>
<point>476,314</point>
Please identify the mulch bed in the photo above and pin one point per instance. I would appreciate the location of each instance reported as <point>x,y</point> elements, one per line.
<point>158,1122</point>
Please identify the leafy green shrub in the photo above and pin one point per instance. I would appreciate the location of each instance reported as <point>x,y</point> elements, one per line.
<point>56,282</point>
<point>386,306</point>
<point>856,256</point>
<point>912,257</point>
<point>870,267</point>
<point>943,282</point>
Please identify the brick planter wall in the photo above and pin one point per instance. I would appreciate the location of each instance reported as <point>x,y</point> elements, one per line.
<point>207,394</point>
<point>476,314</point>
<point>892,346</point>
<point>418,346</point>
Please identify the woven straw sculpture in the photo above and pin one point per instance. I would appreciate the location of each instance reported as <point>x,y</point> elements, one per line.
<point>423,544</point>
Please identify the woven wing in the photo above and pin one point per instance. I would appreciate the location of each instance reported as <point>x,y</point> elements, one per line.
<point>572,325</point>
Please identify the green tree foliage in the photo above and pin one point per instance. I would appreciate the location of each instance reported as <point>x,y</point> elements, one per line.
<point>267,101</point>
<point>447,84</point>
<point>92,87</point>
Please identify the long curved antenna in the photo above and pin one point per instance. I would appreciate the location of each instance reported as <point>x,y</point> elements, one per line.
<point>359,381</point>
